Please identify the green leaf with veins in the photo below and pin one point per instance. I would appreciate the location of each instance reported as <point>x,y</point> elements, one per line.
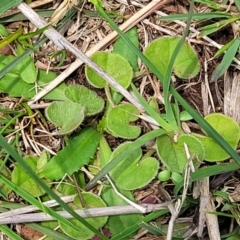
<point>89,99</point>
<point>118,119</point>
<point>133,172</point>
<point>159,52</point>
<point>91,201</point>
<point>71,158</point>
<point>67,115</point>
<point>114,64</point>
<point>173,154</point>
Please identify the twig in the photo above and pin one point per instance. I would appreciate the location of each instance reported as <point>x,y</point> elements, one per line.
<point>24,210</point>
<point>146,10</point>
<point>85,213</point>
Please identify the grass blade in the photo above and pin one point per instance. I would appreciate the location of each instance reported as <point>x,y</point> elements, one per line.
<point>226,61</point>
<point>196,16</point>
<point>49,232</point>
<point>6,4</point>
<point>207,172</point>
<point>9,232</point>
<point>167,77</point>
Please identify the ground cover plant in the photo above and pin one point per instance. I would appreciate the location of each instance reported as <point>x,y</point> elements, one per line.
<point>139,143</point>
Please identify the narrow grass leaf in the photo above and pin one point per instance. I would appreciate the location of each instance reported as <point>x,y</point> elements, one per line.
<point>9,232</point>
<point>208,172</point>
<point>196,16</point>
<point>49,232</point>
<point>167,76</point>
<point>6,4</point>
<point>226,61</point>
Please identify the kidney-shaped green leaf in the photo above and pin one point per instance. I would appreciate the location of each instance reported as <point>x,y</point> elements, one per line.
<point>91,201</point>
<point>118,119</point>
<point>67,115</point>
<point>133,172</point>
<point>77,153</point>
<point>160,51</point>
<point>85,97</point>
<point>228,129</point>
<point>173,154</point>
<point>114,64</point>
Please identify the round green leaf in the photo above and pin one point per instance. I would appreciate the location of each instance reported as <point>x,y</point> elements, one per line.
<point>118,119</point>
<point>114,64</point>
<point>160,51</point>
<point>89,99</point>
<point>90,201</point>
<point>67,115</point>
<point>133,173</point>
<point>173,153</point>
<point>228,129</point>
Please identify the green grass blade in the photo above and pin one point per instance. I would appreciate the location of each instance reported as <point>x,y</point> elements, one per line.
<point>9,232</point>
<point>226,61</point>
<point>6,4</point>
<point>167,77</point>
<point>196,16</point>
<point>49,232</point>
<point>167,127</point>
<point>53,195</point>
<point>132,147</point>
<point>207,172</point>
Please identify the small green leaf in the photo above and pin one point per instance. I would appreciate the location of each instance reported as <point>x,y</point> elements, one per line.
<point>119,222</point>
<point>227,128</point>
<point>159,52</point>
<point>124,50</point>
<point>164,175</point>
<point>22,179</point>
<point>114,64</point>
<point>67,115</point>
<point>89,99</point>
<point>185,116</point>
<point>91,201</point>
<point>226,61</point>
<point>173,153</point>
<point>133,173</point>
<point>27,69</point>
<point>77,153</point>
<point>104,152</point>
<point>118,119</point>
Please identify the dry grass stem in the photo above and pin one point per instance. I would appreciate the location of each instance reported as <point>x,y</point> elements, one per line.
<point>94,212</point>
<point>28,209</point>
